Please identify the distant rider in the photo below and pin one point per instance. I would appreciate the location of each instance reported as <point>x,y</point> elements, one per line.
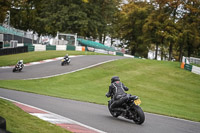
<point>66,56</point>
<point>20,63</point>
<point>117,93</point>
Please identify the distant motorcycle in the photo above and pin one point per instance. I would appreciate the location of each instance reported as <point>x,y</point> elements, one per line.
<point>65,61</point>
<point>18,67</point>
<point>133,110</point>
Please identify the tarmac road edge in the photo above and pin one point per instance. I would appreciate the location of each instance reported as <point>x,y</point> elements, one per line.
<point>56,119</point>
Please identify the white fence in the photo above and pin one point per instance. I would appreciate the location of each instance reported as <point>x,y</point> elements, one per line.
<point>187,60</point>
<point>193,60</point>
<point>39,47</point>
<point>61,47</point>
<point>196,69</point>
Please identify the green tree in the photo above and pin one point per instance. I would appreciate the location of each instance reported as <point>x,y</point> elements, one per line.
<point>4,7</point>
<point>23,14</point>
<point>153,27</point>
<point>100,15</point>
<point>131,19</point>
<point>191,24</point>
<point>160,27</point>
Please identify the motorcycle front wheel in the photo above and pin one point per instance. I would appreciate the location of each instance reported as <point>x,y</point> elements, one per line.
<point>14,69</point>
<point>62,63</point>
<point>138,114</point>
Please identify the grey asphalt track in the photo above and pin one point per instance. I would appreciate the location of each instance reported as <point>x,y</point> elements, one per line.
<point>54,68</point>
<point>98,116</point>
<point>93,115</point>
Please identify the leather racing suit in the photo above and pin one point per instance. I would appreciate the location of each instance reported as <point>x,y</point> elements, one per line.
<point>117,93</point>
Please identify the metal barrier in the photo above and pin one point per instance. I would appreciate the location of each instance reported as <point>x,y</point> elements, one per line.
<point>17,32</point>
<point>16,50</point>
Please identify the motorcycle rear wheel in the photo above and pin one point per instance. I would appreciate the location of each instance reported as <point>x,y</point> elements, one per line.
<point>138,114</point>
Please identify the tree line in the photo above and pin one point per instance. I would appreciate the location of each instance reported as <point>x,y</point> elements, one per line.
<point>171,27</point>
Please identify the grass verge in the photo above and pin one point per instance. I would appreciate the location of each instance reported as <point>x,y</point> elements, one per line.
<point>17,121</point>
<point>7,60</point>
<point>163,87</point>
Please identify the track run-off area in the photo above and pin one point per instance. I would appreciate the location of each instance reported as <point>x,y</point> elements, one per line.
<point>54,68</point>
<point>92,115</point>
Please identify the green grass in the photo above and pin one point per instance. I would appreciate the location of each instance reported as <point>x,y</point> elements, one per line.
<point>17,121</point>
<point>163,87</point>
<point>7,60</point>
<point>198,65</point>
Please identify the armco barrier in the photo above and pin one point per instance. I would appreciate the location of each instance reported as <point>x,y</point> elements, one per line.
<point>28,44</point>
<point>137,57</point>
<point>61,47</point>
<point>50,47</point>
<point>118,53</point>
<point>16,50</point>
<point>90,49</point>
<point>196,70</point>
<point>111,52</point>
<point>101,51</point>
<point>78,48</point>
<point>188,67</point>
<point>71,47</point>
<point>31,48</point>
<point>127,55</point>
<point>191,68</point>
<point>40,47</point>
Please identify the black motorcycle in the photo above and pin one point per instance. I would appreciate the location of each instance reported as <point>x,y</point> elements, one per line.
<point>18,67</point>
<point>133,110</point>
<point>65,61</point>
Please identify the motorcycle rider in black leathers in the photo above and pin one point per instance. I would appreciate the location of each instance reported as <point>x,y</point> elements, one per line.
<point>117,94</point>
<point>66,56</point>
<point>20,63</point>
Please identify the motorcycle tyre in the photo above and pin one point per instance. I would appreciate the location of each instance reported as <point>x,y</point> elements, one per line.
<point>62,63</point>
<point>139,114</point>
<point>113,113</point>
<point>14,70</point>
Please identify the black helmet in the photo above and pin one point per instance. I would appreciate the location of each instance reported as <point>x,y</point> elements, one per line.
<point>115,78</point>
